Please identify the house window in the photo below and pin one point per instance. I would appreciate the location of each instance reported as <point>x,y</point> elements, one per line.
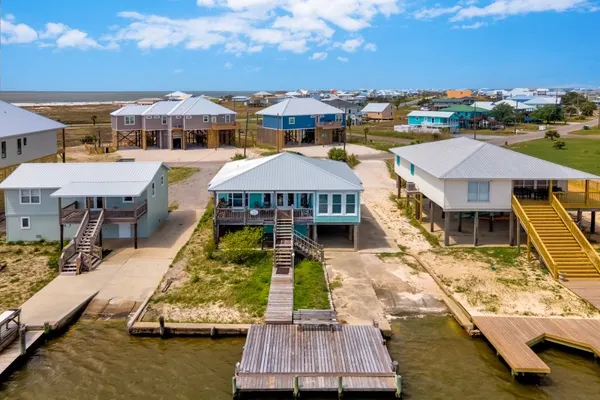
<point>149,117</point>
<point>153,189</point>
<point>236,200</point>
<point>397,160</point>
<point>336,204</point>
<point>228,118</point>
<point>305,200</point>
<point>213,119</point>
<point>205,118</point>
<point>25,223</point>
<point>19,149</point>
<point>3,149</point>
<point>130,120</point>
<point>25,141</point>
<point>412,169</point>
<point>31,196</point>
<point>266,200</point>
<point>162,180</point>
<point>323,204</point>
<point>338,117</point>
<point>163,120</point>
<point>128,199</point>
<point>292,121</point>
<point>479,191</point>
<point>350,204</point>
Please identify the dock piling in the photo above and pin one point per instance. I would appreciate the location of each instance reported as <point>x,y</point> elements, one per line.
<point>295,383</point>
<point>398,386</point>
<point>340,387</point>
<point>23,339</point>
<point>47,328</point>
<point>395,366</point>
<point>213,332</point>
<point>234,387</point>
<point>161,322</point>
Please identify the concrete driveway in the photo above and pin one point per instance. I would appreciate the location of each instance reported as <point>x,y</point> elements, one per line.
<point>222,154</point>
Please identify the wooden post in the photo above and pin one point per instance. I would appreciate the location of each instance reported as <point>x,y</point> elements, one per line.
<point>460,222</point>
<point>476,229</point>
<point>234,388</point>
<point>587,191</point>
<point>135,235</point>
<point>491,227</point>
<point>296,386</point>
<point>100,237</point>
<point>161,324</point>
<point>355,229</point>
<point>518,236</point>
<point>64,143</point>
<point>62,237</point>
<point>420,208</point>
<point>398,386</point>
<point>23,339</point>
<point>399,185</point>
<point>447,221</point>
<point>511,228</point>
<point>528,247</point>
<point>315,235</point>
<point>431,215</point>
<point>579,216</point>
<point>550,190</point>
<point>593,222</point>
<point>340,387</point>
<point>144,140</point>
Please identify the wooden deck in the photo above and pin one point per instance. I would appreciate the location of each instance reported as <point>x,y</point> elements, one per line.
<point>586,289</point>
<point>280,305</point>
<point>12,353</point>
<point>275,354</point>
<point>512,337</point>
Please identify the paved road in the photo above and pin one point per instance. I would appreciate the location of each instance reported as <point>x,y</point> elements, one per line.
<point>375,138</point>
<point>563,130</point>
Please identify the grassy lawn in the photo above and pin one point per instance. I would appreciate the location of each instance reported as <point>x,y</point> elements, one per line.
<point>594,130</point>
<point>310,288</point>
<point>208,289</point>
<point>506,256</point>
<point>29,268</point>
<point>180,174</point>
<point>582,154</point>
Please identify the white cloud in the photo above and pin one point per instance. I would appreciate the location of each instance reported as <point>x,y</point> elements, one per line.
<point>178,71</point>
<point>16,33</point>
<point>343,59</point>
<point>430,13</point>
<point>77,39</point>
<point>228,65</point>
<point>504,8</point>
<point>475,25</point>
<point>350,45</point>
<point>319,56</point>
<point>295,46</point>
<point>53,30</point>
<point>370,47</point>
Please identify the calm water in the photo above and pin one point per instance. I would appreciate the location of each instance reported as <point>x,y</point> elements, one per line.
<point>437,359</point>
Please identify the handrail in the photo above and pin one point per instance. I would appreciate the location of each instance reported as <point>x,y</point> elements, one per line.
<point>68,252</point>
<point>576,232</point>
<point>535,237</point>
<point>81,229</point>
<point>315,249</point>
<point>97,228</point>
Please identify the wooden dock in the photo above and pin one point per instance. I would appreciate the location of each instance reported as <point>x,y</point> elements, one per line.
<point>12,353</point>
<point>586,289</point>
<point>512,337</point>
<point>342,358</point>
<point>280,305</point>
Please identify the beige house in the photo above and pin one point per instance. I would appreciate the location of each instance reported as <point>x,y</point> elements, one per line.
<point>378,111</point>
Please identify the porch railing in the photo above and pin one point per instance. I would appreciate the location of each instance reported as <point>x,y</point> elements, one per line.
<point>579,199</point>
<point>126,214</point>
<point>258,215</point>
<point>329,124</point>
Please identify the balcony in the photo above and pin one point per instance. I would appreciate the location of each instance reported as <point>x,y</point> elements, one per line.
<point>259,216</point>
<point>330,124</point>
<point>577,200</point>
<point>70,214</point>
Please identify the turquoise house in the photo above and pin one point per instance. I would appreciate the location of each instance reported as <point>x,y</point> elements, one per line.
<point>317,191</point>
<point>433,119</point>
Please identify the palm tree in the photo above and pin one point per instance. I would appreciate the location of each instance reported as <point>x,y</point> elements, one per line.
<point>94,118</point>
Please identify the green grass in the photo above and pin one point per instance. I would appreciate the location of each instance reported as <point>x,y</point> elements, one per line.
<point>180,174</point>
<point>408,211</point>
<point>594,130</point>
<point>310,288</point>
<point>390,167</point>
<point>582,154</point>
<point>494,255</point>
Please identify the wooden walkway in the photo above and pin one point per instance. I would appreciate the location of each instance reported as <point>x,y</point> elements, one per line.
<point>13,352</point>
<point>280,305</point>
<point>512,337</point>
<point>318,356</point>
<point>586,289</point>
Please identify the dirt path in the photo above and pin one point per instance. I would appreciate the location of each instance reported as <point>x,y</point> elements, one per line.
<point>192,194</point>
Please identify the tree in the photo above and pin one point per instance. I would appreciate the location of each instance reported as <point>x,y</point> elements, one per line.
<point>587,109</point>
<point>573,99</point>
<point>504,113</point>
<point>549,113</point>
<point>94,118</point>
<point>349,122</point>
<point>552,134</point>
<point>571,110</point>
<point>366,131</point>
<point>559,145</point>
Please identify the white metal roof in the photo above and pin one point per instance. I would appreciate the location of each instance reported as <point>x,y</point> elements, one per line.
<point>160,108</point>
<point>375,107</point>
<point>107,189</point>
<point>178,94</point>
<point>106,175</point>
<point>17,121</point>
<point>297,107</point>
<point>485,105</point>
<point>191,106</point>
<point>465,158</point>
<point>201,106</point>
<point>285,172</point>
<point>519,105</point>
<point>438,114</point>
<point>131,110</point>
<point>544,100</point>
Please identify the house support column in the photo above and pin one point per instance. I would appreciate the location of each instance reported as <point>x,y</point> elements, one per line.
<point>491,227</point>
<point>528,247</point>
<point>593,222</point>
<point>350,233</point>
<point>100,237</point>
<point>315,235</point>
<point>62,228</point>
<point>170,136</point>
<point>579,216</point>
<point>399,185</point>
<point>135,235</point>
<point>511,228</point>
<point>355,231</point>
<point>144,140</point>
<point>447,221</point>
<point>476,229</point>
<point>62,236</point>
<point>460,222</point>
<point>518,236</point>
<point>431,215</point>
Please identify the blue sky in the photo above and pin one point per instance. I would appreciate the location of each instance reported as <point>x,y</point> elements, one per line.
<point>290,44</point>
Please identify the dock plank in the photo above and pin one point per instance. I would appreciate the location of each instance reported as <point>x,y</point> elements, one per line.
<point>13,352</point>
<point>588,289</point>
<point>512,337</point>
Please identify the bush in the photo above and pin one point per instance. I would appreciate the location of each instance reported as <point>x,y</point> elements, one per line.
<point>337,154</point>
<point>209,249</point>
<point>237,157</point>
<point>240,247</point>
<point>560,145</point>
<point>552,134</point>
<point>352,161</point>
<point>88,140</point>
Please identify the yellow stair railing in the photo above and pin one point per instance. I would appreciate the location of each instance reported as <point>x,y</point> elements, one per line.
<point>535,237</point>
<point>576,232</point>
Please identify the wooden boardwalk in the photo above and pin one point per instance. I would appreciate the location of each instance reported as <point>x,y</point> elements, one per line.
<point>512,337</point>
<point>275,354</point>
<point>280,305</point>
<point>586,289</point>
<point>13,352</point>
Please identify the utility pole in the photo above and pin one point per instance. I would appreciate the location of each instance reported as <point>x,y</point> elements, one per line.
<point>246,134</point>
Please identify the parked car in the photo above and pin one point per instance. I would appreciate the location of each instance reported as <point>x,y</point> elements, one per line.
<point>497,127</point>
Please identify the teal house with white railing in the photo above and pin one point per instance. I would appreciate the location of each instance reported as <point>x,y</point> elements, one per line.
<point>316,192</point>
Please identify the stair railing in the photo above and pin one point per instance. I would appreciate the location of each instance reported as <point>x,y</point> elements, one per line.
<point>70,250</point>
<point>535,237</point>
<point>314,249</point>
<point>576,232</point>
<point>97,228</point>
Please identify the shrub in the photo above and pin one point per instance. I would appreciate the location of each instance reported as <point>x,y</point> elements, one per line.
<point>237,157</point>
<point>209,249</point>
<point>552,134</point>
<point>337,154</point>
<point>240,247</point>
<point>560,145</point>
<point>88,140</point>
<point>352,161</point>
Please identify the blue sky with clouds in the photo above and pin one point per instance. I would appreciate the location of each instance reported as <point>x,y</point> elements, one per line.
<point>288,44</point>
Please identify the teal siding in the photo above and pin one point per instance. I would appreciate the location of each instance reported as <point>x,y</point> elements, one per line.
<point>268,229</point>
<point>301,229</point>
<point>337,219</point>
<point>255,200</point>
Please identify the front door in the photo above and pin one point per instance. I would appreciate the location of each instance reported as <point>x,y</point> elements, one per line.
<point>124,230</point>
<point>285,200</point>
<point>95,203</point>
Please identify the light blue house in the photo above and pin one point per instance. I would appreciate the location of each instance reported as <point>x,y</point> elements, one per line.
<point>316,191</point>
<point>298,121</point>
<point>433,119</point>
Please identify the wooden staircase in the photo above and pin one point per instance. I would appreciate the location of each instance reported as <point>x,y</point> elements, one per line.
<point>308,247</point>
<point>82,253</point>
<point>564,249</point>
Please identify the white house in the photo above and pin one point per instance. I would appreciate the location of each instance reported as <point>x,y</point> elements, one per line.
<point>543,101</point>
<point>177,96</point>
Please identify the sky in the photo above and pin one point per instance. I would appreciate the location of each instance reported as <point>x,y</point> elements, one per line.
<point>291,44</point>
